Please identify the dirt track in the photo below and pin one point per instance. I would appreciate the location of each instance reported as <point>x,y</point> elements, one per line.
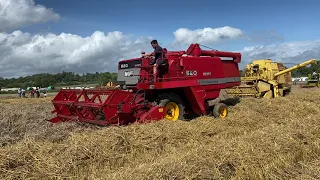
<point>260,139</point>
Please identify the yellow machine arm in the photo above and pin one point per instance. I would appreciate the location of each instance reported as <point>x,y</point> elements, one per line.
<point>312,61</point>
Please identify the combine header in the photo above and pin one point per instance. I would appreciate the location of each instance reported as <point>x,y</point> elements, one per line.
<point>190,85</point>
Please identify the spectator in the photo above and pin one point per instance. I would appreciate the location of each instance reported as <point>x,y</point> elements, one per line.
<point>23,92</point>
<point>19,92</point>
<point>44,93</point>
<point>31,93</point>
<point>37,93</point>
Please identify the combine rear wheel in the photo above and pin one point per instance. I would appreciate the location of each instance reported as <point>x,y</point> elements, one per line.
<point>174,106</point>
<point>220,110</point>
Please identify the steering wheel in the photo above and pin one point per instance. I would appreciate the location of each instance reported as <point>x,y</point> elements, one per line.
<point>148,57</point>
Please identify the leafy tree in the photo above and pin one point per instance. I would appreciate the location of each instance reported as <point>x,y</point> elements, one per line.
<point>63,78</point>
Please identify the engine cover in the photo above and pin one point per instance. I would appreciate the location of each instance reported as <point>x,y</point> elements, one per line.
<point>128,72</point>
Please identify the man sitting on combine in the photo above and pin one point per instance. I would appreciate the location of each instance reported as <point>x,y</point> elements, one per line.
<point>158,57</point>
<point>314,75</point>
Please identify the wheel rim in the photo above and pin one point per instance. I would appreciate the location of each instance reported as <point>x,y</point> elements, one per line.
<point>223,112</point>
<point>172,111</point>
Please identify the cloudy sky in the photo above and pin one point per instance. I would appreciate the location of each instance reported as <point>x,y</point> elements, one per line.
<point>38,36</point>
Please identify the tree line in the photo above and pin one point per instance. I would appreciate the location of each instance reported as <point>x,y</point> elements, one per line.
<point>70,78</point>
<point>59,79</point>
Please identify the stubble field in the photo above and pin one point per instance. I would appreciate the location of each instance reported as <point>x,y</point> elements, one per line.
<point>260,139</point>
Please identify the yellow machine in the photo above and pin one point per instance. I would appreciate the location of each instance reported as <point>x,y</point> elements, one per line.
<point>109,84</point>
<point>266,79</point>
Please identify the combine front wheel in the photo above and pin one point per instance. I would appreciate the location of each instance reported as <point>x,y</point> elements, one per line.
<point>220,110</point>
<point>174,106</point>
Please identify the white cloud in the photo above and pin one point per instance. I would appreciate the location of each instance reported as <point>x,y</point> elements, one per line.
<point>289,52</point>
<point>20,13</point>
<point>206,35</point>
<point>23,54</point>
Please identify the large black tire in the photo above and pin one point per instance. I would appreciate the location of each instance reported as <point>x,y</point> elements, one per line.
<point>174,104</point>
<point>220,110</point>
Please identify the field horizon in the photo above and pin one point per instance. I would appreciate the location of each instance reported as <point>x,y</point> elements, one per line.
<point>260,139</point>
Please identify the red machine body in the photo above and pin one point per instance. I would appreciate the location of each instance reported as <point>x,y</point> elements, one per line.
<point>192,80</point>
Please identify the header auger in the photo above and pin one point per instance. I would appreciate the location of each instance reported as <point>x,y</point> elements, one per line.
<point>190,85</point>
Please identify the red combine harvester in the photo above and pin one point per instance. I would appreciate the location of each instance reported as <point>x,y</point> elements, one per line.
<point>190,85</point>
